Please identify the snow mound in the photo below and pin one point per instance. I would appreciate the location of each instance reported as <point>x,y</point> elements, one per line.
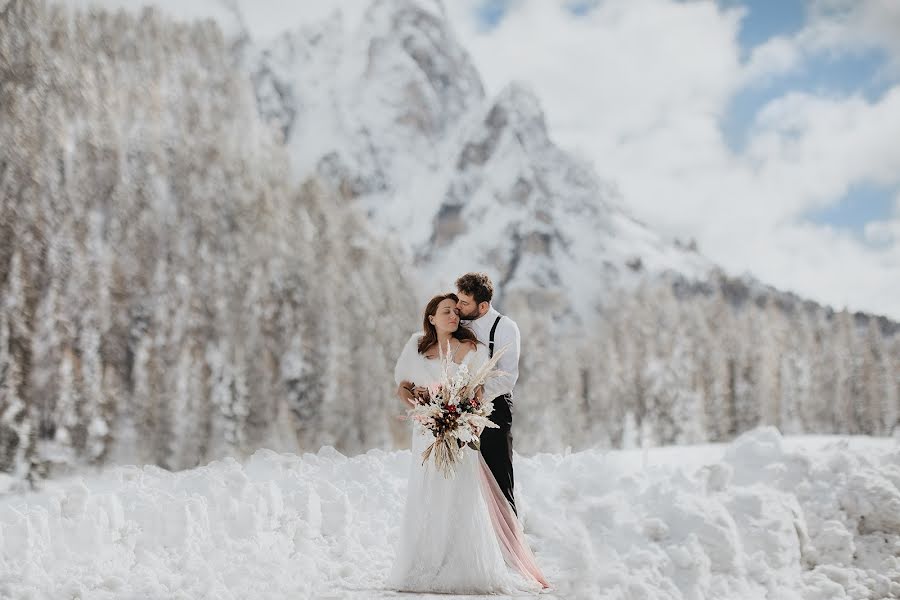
<point>763,517</point>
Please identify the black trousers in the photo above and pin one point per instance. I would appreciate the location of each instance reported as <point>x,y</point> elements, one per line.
<point>496,446</point>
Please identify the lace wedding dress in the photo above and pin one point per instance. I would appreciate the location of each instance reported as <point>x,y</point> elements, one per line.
<point>459,535</point>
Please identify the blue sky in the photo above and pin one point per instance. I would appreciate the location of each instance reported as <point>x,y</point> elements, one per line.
<point>829,75</point>
<point>864,203</point>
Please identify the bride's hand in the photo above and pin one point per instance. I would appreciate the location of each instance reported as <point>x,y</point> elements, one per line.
<point>479,394</point>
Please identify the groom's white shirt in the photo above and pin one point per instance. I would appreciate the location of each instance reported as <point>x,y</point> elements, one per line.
<point>507,333</point>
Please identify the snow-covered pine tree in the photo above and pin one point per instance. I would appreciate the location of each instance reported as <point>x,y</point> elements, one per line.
<point>718,358</point>
<point>879,401</point>
<point>605,381</point>
<point>849,384</point>
<point>795,367</point>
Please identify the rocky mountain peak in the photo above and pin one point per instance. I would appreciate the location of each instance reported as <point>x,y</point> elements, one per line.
<point>392,111</point>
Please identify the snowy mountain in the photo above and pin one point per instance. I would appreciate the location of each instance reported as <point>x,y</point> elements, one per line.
<point>387,105</point>
<point>798,518</point>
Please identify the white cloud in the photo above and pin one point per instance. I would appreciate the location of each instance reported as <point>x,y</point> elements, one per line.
<point>777,56</point>
<point>815,147</point>
<point>834,28</point>
<point>641,87</point>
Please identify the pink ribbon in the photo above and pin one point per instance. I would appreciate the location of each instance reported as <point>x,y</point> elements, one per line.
<point>506,524</point>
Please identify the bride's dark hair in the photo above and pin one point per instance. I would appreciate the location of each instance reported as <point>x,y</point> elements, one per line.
<point>462,333</point>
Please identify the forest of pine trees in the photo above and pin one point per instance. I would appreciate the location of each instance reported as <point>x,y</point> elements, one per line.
<point>167,296</point>
<point>667,368</point>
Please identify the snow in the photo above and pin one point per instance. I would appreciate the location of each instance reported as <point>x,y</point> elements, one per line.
<point>763,517</point>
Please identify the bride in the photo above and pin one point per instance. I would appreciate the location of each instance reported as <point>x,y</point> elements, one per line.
<point>459,535</point>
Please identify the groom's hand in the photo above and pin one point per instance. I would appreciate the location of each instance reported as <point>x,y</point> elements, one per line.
<point>406,391</point>
<point>421,393</point>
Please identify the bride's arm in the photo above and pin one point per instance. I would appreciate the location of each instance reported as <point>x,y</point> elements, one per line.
<point>404,369</point>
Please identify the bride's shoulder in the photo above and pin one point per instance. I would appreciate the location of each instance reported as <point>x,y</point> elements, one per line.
<point>413,340</point>
<point>410,348</point>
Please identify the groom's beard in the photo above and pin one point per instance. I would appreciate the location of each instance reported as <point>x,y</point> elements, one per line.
<point>470,317</point>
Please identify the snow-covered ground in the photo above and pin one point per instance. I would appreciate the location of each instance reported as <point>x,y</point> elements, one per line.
<point>762,517</point>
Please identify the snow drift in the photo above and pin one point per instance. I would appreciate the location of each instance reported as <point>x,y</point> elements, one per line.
<point>762,517</point>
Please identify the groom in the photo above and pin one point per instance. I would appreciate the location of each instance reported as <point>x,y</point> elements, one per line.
<point>494,330</point>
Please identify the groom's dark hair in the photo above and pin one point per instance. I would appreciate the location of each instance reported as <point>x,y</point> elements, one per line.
<point>477,285</point>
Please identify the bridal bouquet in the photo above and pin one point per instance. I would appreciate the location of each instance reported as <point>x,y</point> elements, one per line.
<point>451,412</point>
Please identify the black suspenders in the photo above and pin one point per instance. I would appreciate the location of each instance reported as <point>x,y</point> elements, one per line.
<point>491,343</point>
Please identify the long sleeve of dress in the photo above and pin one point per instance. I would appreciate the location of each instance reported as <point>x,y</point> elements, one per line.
<point>405,367</point>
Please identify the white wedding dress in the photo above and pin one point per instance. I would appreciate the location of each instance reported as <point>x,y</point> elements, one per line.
<point>458,535</point>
